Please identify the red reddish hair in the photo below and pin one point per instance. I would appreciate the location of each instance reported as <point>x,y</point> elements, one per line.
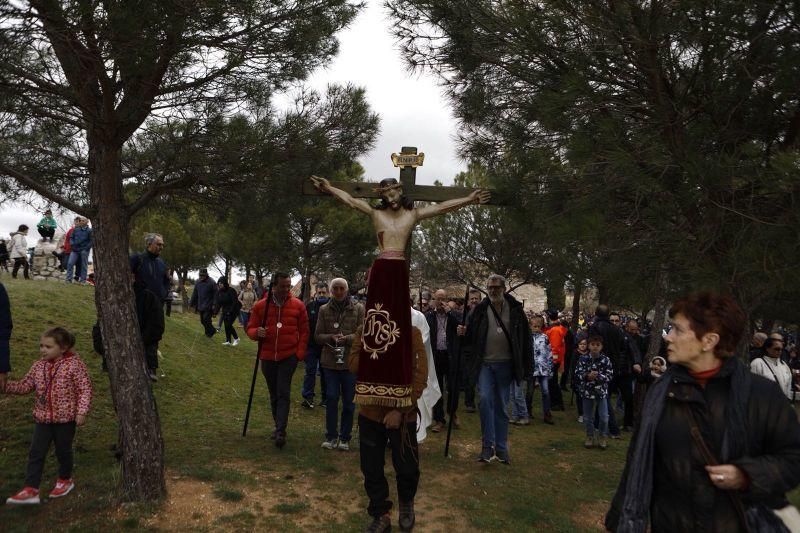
<point>710,312</point>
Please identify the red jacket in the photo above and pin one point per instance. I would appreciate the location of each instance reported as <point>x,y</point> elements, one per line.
<point>63,389</point>
<point>290,339</point>
<point>67,245</point>
<point>555,335</point>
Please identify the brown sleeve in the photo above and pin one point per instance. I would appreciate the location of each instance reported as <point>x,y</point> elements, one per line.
<point>355,349</point>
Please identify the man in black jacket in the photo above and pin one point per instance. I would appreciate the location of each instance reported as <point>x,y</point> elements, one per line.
<point>442,324</point>
<point>203,301</point>
<point>500,339</point>
<point>150,272</point>
<point>314,350</point>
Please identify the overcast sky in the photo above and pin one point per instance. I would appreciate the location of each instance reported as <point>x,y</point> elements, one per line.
<point>412,109</point>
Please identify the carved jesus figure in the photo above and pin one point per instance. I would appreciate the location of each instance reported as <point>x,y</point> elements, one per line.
<point>396,216</point>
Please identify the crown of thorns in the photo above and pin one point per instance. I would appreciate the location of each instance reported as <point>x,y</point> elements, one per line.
<point>387,188</point>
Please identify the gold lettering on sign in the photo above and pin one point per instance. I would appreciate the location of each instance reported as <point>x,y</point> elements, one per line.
<point>380,331</point>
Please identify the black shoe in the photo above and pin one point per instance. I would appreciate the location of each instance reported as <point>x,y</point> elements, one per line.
<point>502,456</point>
<point>280,439</point>
<point>323,402</point>
<point>379,524</point>
<point>487,454</point>
<point>308,403</point>
<point>152,375</point>
<point>407,516</point>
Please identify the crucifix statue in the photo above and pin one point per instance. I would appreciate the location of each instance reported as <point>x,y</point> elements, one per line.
<point>385,364</point>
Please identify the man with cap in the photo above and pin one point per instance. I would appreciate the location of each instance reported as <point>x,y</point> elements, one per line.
<point>203,301</point>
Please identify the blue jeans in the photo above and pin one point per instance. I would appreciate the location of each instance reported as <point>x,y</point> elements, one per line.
<point>310,380</point>
<point>244,318</point>
<point>544,383</point>
<point>518,407</point>
<point>494,386</point>
<point>82,260</point>
<point>336,382</point>
<point>602,411</point>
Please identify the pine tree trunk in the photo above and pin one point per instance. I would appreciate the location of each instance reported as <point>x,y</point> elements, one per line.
<point>140,427</point>
<point>576,302</point>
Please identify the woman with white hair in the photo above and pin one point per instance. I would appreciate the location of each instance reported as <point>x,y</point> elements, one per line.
<point>337,323</point>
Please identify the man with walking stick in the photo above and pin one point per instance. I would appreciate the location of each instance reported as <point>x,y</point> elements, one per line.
<point>282,337</point>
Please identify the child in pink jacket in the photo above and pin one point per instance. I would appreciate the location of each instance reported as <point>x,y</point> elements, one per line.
<point>63,394</point>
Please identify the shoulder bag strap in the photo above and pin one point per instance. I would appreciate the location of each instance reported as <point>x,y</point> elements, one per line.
<point>709,458</point>
<point>502,326</point>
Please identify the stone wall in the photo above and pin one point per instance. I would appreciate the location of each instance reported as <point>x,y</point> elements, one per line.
<point>45,264</point>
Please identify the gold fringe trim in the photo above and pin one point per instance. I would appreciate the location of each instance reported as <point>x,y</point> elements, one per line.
<point>383,401</point>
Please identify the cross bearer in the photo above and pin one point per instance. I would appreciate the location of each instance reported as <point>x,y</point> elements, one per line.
<point>385,361</point>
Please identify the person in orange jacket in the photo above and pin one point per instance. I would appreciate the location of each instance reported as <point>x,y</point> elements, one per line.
<point>282,340</point>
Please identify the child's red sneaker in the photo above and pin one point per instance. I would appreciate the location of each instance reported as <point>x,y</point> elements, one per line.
<point>27,496</point>
<point>62,488</point>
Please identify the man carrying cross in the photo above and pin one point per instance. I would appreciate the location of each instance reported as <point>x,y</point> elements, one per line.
<point>385,362</point>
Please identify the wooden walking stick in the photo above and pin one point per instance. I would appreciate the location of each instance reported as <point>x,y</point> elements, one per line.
<point>452,396</point>
<point>258,352</point>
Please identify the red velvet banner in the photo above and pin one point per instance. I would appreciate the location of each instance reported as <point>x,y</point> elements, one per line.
<point>385,366</point>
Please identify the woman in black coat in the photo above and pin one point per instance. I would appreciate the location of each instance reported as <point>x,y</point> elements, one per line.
<point>717,447</point>
<point>227,302</point>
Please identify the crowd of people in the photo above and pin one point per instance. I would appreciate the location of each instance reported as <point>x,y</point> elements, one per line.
<point>702,422</point>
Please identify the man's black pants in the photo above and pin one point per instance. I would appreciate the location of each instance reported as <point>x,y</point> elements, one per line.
<point>205,319</point>
<point>556,398</point>
<point>624,384</point>
<point>279,382</point>
<point>43,434</point>
<point>405,458</point>
<point>441,361</point>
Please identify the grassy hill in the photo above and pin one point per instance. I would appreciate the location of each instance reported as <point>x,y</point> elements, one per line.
<point>218,480</point>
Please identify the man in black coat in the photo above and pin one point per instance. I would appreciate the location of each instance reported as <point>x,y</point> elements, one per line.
<point>442,323</point>
<point>150,272</point>
<point>203,301</point>
<point>500,339</point>
<point>6,326</point>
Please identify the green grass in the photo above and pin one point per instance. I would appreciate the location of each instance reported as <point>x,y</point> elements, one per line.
<point>221,481</point>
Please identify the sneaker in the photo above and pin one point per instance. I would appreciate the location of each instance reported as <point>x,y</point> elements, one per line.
<point>524,422</point>
<point>226,343</point>
<point>323,402</point>
<point>307,403</point>
<point>27,496</point>
<point>503,457</point>
<point>62,488</point>
<point>437,427</point>
<point>152,375</point>
<point>514,420</point>
<point>407,517</point>
<point>331,444</point>
<point>603,442</point>
<point>235,341</point>
<point>344,446</point>
<point>380,524</point>
<point>588,443</point>
<point>487,454</point>
<point>580,419</point>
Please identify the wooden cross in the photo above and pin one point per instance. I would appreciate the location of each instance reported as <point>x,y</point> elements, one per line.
<point>407,160</point>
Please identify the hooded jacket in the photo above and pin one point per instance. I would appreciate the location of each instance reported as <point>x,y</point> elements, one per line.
<point>291,338</point>
<point>226,299</point>
<point>81,239</point>
<point>203,294</point>
<point>18,247</point>
<point>63,389</point>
